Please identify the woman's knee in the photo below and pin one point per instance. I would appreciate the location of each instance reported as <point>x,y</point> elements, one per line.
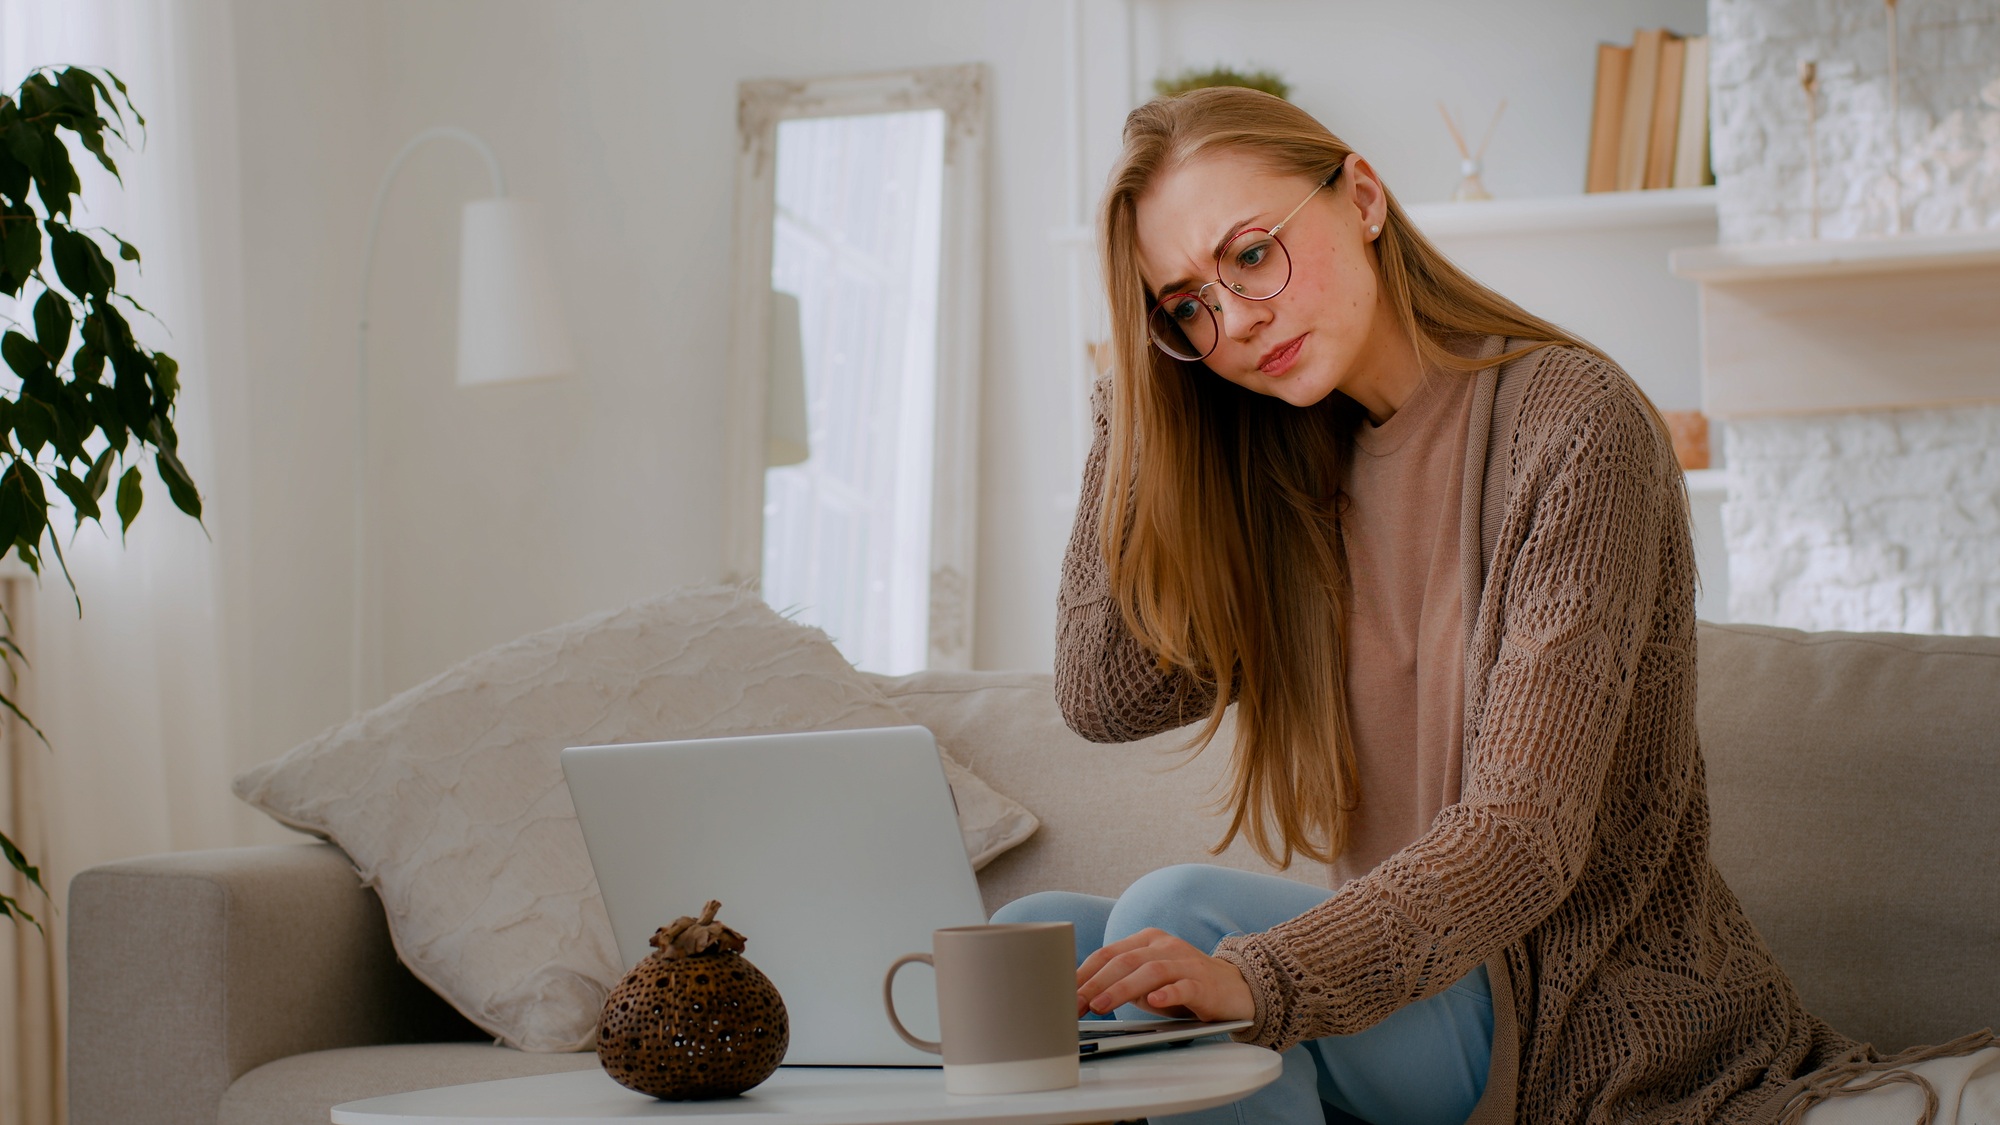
<point>1086,912</point>
<point>1180,900</point>
<point>1201,903</point>
<point>1043,906</point>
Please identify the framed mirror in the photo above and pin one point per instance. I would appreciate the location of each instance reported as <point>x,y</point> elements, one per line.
<point>852,483</point>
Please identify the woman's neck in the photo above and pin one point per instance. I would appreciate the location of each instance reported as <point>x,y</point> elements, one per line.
<point>1387,371</point>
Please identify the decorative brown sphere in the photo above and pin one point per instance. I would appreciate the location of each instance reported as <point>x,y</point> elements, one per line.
<point>693,1020</point>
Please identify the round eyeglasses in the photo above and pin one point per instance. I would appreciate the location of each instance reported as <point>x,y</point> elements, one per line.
<point>1252,263</point>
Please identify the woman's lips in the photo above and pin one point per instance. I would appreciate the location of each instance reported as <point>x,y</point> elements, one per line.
<point>1279,359</point>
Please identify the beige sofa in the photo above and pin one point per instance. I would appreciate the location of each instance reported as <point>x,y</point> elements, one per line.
<point>1854,781</point>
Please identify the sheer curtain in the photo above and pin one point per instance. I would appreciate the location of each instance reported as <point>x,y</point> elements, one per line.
<point>133,692</point>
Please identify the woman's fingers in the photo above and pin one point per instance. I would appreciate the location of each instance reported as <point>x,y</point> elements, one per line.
<point>1134,985</point>
<point>1093,964</point>
<point>1164,975</point>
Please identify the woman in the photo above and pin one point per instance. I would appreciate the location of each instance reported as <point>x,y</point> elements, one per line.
<point>1436,550</point>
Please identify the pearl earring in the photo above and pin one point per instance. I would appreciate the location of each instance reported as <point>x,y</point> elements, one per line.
<point>1373,230</point>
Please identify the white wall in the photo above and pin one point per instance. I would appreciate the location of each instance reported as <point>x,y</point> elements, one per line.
<point>1374,73</point>
<point>1881,519</point>
<point>511,508</point>
<point>1948,105</point>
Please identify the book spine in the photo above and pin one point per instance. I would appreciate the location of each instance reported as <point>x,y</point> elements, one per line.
<point>1691,153</point>
<point>1636,135</point>
<point>1607,117</point>
<point>1666,113</point>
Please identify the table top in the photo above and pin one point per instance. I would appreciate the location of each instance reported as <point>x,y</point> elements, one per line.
<point>1172,1080</point>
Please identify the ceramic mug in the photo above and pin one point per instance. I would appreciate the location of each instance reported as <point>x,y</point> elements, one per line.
<point>1006,999</point>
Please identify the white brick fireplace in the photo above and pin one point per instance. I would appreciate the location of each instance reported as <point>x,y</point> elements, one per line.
<point>1857,378</point>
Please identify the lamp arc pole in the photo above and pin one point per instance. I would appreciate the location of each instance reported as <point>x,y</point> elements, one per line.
<point>358,636</point>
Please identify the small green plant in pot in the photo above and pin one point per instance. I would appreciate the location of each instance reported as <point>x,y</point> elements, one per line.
<point>87,402</point>
<point>1197,79</point>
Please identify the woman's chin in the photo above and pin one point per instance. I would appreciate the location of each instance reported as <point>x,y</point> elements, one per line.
<point>1299,388</point>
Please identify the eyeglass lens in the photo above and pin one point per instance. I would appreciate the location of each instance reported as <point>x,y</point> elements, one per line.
<point>1254,266</point>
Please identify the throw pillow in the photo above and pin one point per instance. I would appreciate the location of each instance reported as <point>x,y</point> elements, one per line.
<point>450,798</point>
<point>1006,726</point>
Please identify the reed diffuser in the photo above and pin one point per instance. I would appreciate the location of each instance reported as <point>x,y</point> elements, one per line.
<point>1471,162</point>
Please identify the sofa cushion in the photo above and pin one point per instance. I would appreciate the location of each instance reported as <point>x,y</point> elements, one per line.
<point>1109,813</point>
<point>1854,780</point>
<point>450,797</point>
<point>299,1090</point>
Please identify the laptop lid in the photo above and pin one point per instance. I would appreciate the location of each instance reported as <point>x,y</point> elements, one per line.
<point>832,852</point>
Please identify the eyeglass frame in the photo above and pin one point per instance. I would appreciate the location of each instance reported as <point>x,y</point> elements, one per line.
<point>1200,295</point>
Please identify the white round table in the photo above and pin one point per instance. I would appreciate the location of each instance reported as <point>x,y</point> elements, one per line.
<point>1174,1080</point>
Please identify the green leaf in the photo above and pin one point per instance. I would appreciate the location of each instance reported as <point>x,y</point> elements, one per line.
<point>9,905</point>
<point>23,250</point>
<point>126,250</point>
<point>180,486</point>
<point>93,143</point>
<point>80,265</point>
<point>100,474</point>
<point>71,413</point>
<point>34,424</point>
<point>79,495</point>
<point>87,364</point>
<point>13,173</point>
<point>55,178</point>
<point>12,851</point>
<point>23,509</point>
<point>35,517</point>
<point>129,499</point>
<point>24,143</point>
<point>24,357</point>
<point>53,321</point>
<point>169,370</point>
<point>10,514</point>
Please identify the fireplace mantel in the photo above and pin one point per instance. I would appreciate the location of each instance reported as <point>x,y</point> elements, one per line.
<point>1862,324</point>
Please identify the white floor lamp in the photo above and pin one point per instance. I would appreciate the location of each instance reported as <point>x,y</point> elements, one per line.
<point>510,328</point>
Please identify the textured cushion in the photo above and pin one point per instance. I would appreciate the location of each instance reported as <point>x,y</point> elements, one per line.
<point>301,1089</point>
<point>1855,784</point>
<point>1109,813</point>
<point>450,797</point>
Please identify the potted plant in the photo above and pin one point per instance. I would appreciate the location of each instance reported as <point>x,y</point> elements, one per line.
<point>88,401</point>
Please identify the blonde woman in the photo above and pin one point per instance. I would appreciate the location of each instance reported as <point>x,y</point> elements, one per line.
<point>1436,551</point>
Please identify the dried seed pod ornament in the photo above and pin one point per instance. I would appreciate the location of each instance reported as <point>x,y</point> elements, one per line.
<point>693,1020</point>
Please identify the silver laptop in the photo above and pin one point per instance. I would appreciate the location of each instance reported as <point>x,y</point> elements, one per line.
<point>832,852</point>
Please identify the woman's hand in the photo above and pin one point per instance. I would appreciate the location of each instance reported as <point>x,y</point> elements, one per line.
<point>1165,976</point>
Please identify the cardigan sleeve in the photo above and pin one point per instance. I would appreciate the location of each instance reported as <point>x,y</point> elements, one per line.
<point>1576,578</point>
<point>1108,686</point>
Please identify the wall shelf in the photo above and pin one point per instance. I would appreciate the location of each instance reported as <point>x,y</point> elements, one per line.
<point>1862,324</point>
<point>1773,261</point>
<point>1707,482</point>
<point>1562,214</point>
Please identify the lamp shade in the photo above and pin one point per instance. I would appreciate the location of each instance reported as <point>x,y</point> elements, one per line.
<point>785,403</point>
<point>510,324</point>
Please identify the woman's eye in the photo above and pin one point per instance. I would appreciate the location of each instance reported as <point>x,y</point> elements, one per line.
<point>1187,308</point>
<point>1253,255</point>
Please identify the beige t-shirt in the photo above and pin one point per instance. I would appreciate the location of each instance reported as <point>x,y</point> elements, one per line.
<point>1406,631</point>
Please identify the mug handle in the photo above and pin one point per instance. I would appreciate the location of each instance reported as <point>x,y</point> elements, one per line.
<point>889,1001</point>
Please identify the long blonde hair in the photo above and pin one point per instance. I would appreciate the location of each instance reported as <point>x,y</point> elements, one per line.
<point>1220,528</point>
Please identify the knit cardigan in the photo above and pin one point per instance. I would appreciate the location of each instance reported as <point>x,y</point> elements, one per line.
<point>1627,981</point>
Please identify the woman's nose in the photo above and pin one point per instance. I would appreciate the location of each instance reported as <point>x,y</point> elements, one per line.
<point>1241,316</point>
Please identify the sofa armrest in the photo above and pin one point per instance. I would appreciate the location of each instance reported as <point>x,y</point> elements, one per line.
<point>188,970</point>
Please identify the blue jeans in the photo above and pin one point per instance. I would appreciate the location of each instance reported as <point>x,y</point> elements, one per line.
<point>1425,1064</point>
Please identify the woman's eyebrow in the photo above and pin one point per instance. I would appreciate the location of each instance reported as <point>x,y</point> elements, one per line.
<point>1187,283</point>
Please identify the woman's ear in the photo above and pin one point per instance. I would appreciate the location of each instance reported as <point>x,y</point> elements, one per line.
<point>1369,197</point>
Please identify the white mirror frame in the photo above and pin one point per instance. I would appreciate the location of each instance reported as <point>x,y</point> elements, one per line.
<point>960,91</point>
